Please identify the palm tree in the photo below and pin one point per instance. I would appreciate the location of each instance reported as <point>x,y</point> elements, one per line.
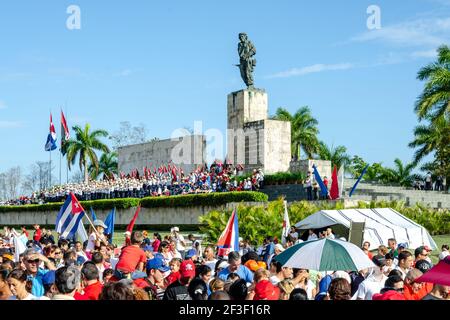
<point>108,165</point>
<point>435,98</point>
<point>401,174</point>
<point>304,130</point>
<point>84,146</point>
<point>434,138</point>
<point>337,156</point>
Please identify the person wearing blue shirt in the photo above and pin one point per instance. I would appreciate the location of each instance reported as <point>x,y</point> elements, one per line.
<point>269,250</point>
<point>234,261</point>
<point>31,260</point>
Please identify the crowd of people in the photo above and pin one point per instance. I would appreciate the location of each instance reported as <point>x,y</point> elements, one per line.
<point>166,180</point>
<point>149,267</point>
<point>428,184</point>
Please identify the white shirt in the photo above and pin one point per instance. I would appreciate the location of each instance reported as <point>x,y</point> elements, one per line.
<point>403,273</point>
<point>370,286</point>
<point>91,242</point>
<point>312,237</point>
<point>178,239</point>
<point>331,236</point>
<point>274,280</point>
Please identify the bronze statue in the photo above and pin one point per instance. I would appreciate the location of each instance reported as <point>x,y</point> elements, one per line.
<point>246,51</point>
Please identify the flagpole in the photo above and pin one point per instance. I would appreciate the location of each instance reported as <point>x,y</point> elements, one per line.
<point>60,152</point>
<point>67,165</point>
<point>50,170</point>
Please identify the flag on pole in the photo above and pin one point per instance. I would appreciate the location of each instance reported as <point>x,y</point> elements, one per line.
<point>50,145</point>
<point>20,246</point>
<point>133,221</point>
<point>341,177</point>
<point>94,216</point>
<point>65,134</point>
<point>229,239</point>
<point>69,217</point>
<point>110,221</point>
<point>81,232</point>
<point>323,188</point>
<point>334,191</point>
<point>359,179</point>
<point>286,224</point>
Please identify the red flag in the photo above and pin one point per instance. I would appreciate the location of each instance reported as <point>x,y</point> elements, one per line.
<point>334,192</point>
<point>132,222</point>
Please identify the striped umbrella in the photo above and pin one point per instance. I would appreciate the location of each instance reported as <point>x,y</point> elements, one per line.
<point>325,255</point>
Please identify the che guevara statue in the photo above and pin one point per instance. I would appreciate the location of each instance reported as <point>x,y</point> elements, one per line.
<point>246,51</point>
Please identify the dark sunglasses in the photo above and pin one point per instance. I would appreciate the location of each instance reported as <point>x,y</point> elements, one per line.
<point>58,252</point>
<point>33,261</point>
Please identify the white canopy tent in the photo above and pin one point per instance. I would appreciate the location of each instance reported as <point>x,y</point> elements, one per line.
<point>380,225</point>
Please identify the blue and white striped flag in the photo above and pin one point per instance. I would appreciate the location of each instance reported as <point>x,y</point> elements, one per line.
<point>69,217</point>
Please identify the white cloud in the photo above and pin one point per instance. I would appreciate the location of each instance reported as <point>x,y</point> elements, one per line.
<point>424,54</point>
<point>420,32</point>
<point>2,105</point>
<point>10,124</point>
<point>124,73</point>
<point>316,68</point>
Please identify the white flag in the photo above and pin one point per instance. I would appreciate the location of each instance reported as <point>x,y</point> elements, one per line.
<point>20,245</point>
<point>286,224</point>
<point>341,179</point>
<point>81,232</point>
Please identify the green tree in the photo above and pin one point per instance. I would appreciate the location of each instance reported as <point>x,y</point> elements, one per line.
<point>400,174</point>
<point>338,156</point>
<point>304,130</point>
<point>84,146</point>
<point>356,166</point>
<point>435,98</point>
<point>433,138</point>
<point>108,166</point>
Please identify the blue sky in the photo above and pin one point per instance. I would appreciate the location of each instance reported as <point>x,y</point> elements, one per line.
<point>169,63</point>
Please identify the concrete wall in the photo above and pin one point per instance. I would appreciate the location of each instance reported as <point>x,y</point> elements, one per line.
<point>186,152</point>
<point>147,216</point>
<point>323,166</point>
<point>366,192</point>
<point>246,106</point>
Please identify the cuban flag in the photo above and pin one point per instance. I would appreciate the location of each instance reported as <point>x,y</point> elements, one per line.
<point>69,217</point>
<point>51,138</point>
<point>229,239</point>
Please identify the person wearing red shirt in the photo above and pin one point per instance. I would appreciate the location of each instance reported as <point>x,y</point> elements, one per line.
<point>92,285</point>
<point>37,233</point>
<point>175,271</point>
<point>156,241</point>
<point>415,290</point>
<point>25,232</point>
<point>132,258</point>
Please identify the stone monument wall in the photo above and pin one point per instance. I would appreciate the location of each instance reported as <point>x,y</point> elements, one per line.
<point>186,152</point>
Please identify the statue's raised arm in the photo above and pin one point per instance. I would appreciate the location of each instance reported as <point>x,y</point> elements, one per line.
<point>246,51</point>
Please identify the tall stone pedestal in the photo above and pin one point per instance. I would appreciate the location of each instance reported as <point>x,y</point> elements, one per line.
<point>252,139</point>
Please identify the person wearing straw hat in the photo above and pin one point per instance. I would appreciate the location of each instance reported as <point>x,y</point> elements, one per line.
<point>97,236</point>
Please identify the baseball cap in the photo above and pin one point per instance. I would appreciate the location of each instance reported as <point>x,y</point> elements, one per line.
<point>402,245</point>
<point>191,253</point>
<point>176,229</point>
<point>187,269</point>
<point>423,265</point>
<point>157,263</point>
<point>8,256</point>
<point>99,223</point>
<point>48,278</point>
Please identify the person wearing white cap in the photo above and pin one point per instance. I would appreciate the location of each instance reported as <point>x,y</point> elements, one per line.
<point>97,236</point>
<point>181,245</point>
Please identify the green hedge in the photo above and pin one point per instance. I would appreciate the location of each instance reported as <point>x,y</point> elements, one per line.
<point>206,199</point>
<point>278,178</point>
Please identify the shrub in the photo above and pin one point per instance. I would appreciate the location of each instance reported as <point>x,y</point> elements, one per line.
<point>206,199</point>
<point>257,222</point>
